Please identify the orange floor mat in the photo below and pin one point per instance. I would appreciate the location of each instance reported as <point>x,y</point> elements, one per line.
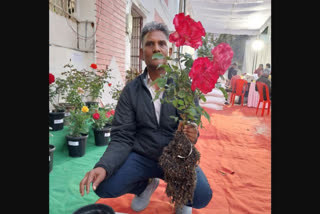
<point>236,158</point>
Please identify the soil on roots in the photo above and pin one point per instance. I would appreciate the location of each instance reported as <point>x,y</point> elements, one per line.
<point>180,173</point>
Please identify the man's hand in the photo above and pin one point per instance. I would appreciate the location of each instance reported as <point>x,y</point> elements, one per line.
<point>96,175</point>
<point>191,131</point>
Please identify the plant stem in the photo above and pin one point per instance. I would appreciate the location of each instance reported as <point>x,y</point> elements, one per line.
<point>179,60</point>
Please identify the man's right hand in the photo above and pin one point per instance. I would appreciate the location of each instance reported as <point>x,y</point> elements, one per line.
<point>95,175</point>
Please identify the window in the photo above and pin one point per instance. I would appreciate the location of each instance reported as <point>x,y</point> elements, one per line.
<point>135,44</point>
<point>64,8</point>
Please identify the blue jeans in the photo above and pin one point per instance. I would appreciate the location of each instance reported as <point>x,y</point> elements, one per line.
<point>132,177</point>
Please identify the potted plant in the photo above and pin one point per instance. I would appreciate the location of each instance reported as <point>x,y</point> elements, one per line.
<point>51,150</point>
<point>56,115</point>
<point>96,80</point>
<point>102,119</point>
<point>72,86</point>
<point>79,123</point>
<point>191,82</point>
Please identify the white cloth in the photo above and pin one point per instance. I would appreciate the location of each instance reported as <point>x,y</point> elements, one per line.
<point>215,93</point>
<point>156,103</point>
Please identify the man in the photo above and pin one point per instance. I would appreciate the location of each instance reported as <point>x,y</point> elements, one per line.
<point>264,78</point>
<point>140,130</point>
<point>269,67</point>
<point>259,70</point>
<point>232,70</point>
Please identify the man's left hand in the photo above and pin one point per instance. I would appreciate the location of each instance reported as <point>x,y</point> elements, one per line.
<point>191,131</point>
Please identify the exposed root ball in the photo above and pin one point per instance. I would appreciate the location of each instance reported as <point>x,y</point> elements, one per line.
<point>179,173</point>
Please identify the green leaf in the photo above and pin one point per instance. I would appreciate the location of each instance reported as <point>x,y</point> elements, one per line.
<point>206,115</point>
<point>203,98</point>
<point>182,94</point>
<point>180,102</point>
<point>157,56</point>
<point>189,63</point>
<point>175,118</point>
<point>167,68</point>
<point>175,103</point>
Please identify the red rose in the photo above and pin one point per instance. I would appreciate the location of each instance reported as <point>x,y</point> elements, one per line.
<point>109,84</point>
<point>222,57</point>
<point>51,78</point>
<point>94,66</point>
<point>109,113</point>
<point>96,116</point>
<point>188,32</point>
<point>203,75</point>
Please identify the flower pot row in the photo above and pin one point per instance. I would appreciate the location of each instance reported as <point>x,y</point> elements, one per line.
<point>51,150</point>
<point>77,145</point>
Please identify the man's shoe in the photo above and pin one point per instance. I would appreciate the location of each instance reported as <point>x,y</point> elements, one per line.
<point>184,210</point>
<point>140,202</point>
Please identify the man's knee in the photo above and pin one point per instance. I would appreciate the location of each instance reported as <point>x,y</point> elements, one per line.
<point>202,200</point>
<point>108,191</point>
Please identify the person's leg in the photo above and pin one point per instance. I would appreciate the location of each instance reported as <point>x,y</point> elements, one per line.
<point>203,193</point>
<point>131,177</point>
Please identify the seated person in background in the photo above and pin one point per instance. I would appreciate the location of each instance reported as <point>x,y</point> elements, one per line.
<point>233,85</point>
<point>259,70</point>
<point>264,78</point>
<point>268,66</point>
<point>231,72</point>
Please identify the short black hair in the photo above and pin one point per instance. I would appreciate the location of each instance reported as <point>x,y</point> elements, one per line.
<point>268,65</point>
<point>153,26</point>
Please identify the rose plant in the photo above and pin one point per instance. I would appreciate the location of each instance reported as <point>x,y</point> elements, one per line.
<point>191,81</point>
<point>96,80</point>
<point>101,117</point>
<point>72,86</point>
<point>79,121</point>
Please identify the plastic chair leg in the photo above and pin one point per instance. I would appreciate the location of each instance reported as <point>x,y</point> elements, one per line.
<point>232,99</point>
<point>258,107</point>
<point>269,105</point>
<point>242,99</point>
<point>264,105</point>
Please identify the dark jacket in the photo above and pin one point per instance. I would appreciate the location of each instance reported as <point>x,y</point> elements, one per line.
<point>135,127</point>
<point>266,81</point>
<point>232,72</point>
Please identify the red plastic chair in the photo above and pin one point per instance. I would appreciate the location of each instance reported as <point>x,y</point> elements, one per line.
<point>240,89</point>
<point>260,86</point>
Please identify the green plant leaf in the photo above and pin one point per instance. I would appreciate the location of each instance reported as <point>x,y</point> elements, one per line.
<point>175,118</point>
<point>189,63</point>
<point>203,98</point>
<point>157,56</point>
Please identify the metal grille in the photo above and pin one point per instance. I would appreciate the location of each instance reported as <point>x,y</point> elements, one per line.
<point>135,43</point>
<point>64,8</point>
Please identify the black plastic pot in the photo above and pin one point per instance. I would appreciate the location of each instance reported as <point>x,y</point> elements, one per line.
<point>76,145</point>
<point>51,150</point>
<point>95,209</point>
<point>102,137</point>
<point>90,103</point>
<point>56,120</point>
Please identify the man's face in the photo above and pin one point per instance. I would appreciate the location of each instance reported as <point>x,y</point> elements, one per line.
<point>154,42</point>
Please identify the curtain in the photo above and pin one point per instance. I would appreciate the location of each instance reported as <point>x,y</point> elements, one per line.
<point>252,58</point>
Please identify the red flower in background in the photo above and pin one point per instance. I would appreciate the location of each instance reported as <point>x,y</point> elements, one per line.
<point>109,113</point>
<point>222,57</point>
<point>94,66</point>
<point>203,75</point>
<point>109,84</point>
<point>51,78</point>
<point>96,116</point>
<point>188,32</point>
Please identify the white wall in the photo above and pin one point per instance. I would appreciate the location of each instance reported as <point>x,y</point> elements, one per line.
<point>69,40</point>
